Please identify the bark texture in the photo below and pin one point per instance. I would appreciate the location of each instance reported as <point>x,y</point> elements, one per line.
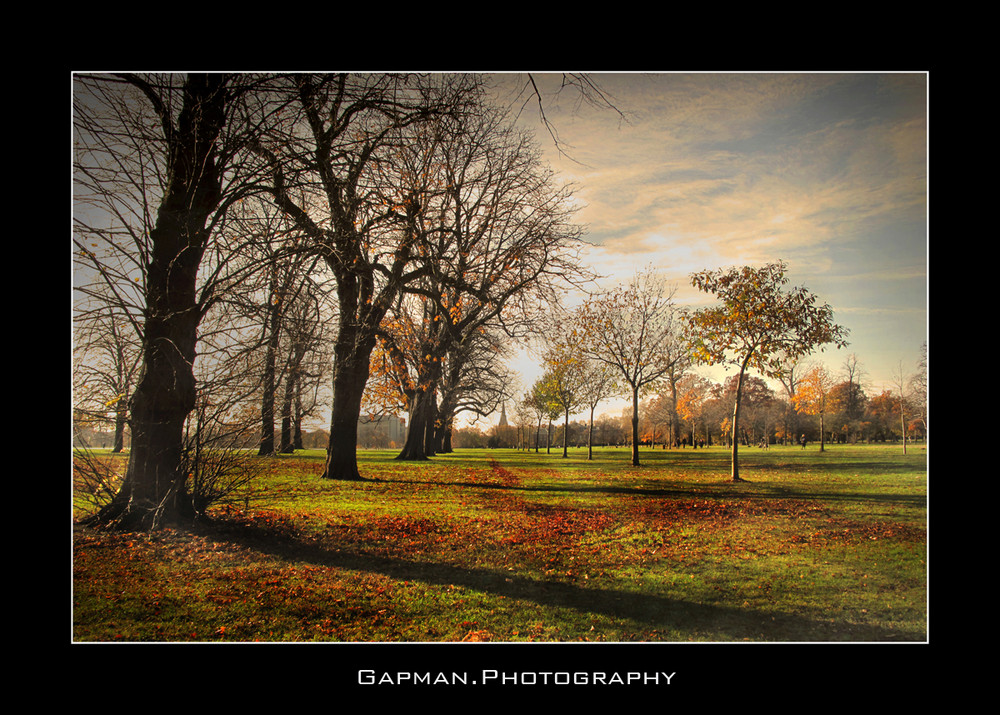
<point>153,490</point>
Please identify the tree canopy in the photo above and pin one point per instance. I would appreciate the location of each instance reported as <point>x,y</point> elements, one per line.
<point>758,324</point>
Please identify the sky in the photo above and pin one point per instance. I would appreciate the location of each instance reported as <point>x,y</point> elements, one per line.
<point>825,171</point>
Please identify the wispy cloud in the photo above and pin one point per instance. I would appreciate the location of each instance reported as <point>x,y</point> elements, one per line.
<point>824,171</point>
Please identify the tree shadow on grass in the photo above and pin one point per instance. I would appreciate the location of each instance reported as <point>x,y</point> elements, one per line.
<point>648,612</point>
<point>761,490</point>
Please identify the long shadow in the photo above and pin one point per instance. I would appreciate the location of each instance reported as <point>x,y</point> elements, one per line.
<point>721,490</point>
<point>723,622</point>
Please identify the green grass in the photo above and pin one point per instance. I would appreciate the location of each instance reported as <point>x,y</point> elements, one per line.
<point>516,546</point>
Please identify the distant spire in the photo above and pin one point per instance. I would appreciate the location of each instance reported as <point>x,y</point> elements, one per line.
<point>503,414</point>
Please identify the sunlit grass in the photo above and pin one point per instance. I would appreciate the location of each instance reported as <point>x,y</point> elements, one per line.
<point>521,546</point>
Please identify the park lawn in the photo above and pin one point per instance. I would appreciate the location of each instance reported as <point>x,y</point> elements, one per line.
<point>507,546</point>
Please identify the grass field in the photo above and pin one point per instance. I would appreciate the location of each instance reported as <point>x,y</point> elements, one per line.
<point>506,546</point>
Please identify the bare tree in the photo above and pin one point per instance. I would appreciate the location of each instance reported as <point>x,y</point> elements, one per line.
<point>107,358</point>
<point>901,381</point>
<point>307,358</point>
<point>476,379</point>
<point>634,330</point>
<point>853,401</point>
<point>499,244</point>
<point>290,323</point>
<point>597,385</point>
<point>532,89</point>
<point>538,401</point>
<point>674,375</point>
<point>789,375</point>
<point>158,161</point>
<point>918,388</point>
<point>331,177</point>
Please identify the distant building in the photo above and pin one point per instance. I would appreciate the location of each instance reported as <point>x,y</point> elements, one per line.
<point>381,431</point>
<point>503,434</point>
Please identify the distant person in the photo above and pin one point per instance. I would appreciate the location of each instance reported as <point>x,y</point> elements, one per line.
<point>802,440</point>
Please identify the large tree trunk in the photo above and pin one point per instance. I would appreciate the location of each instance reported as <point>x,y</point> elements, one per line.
<point>153,488</point>
<point>153,491</point>
<point>443,426</point>
<point>421,420</point>
<point>423,415</point>
<point>446,432</point>
<point>350,377</point>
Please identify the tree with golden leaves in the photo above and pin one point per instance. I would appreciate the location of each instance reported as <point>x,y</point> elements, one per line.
<point>812,397</point>
<point>566,377</point>
<point>693,392</point>
<point>758,325</point>
<point>498,246</point>
<point>539,401</point>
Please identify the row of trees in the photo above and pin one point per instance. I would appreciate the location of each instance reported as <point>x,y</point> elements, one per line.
<point>245,240</point>
<point>811,402</point>
<point>634,340</point>
<point>251,236</point>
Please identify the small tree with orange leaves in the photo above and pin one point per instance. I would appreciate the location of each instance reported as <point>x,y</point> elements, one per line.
<point>565,378</point>
<point>812,396</point>
<point>758,325</point>
<point>693,392</point>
